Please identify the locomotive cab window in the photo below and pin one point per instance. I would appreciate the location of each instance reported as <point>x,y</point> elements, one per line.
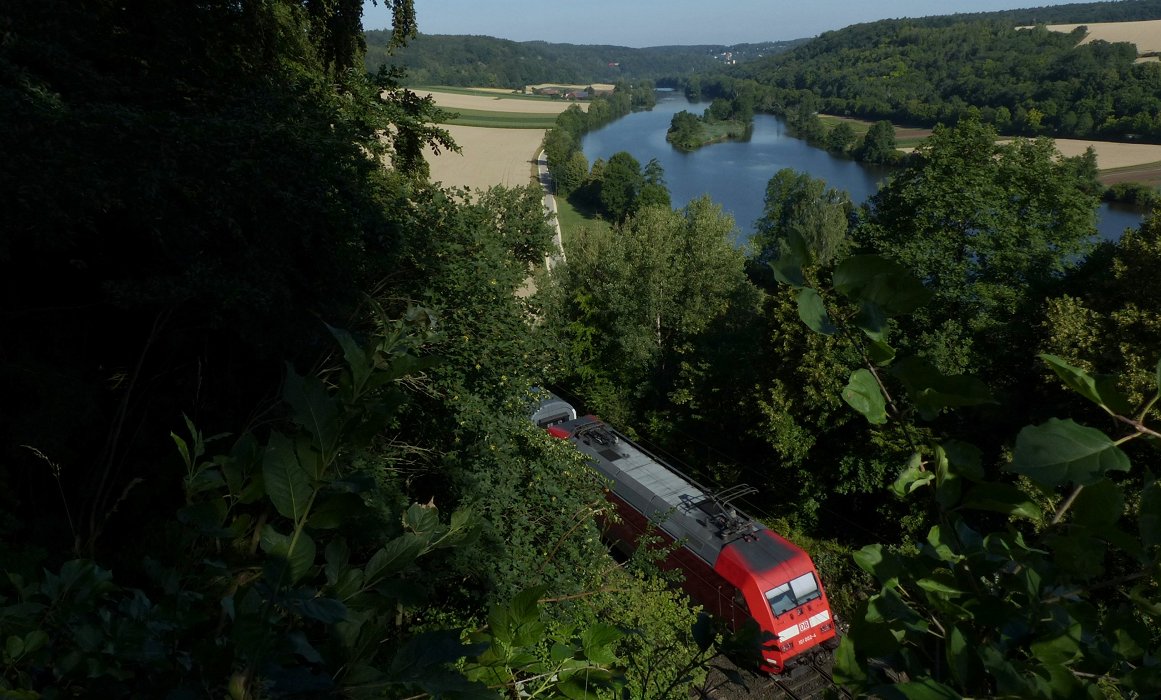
<point>792,594</point>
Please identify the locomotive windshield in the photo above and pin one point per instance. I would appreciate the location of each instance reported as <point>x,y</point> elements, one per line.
<point>788,596</point>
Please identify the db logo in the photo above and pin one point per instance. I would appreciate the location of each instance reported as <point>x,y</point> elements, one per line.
<point>803,626</point>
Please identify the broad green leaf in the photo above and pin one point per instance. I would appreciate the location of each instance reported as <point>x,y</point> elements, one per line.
<point>885,283</point>
<point>357,361</point>
<point>941,584</point>
<point>325,610</point>
<point>788,271</point>
<point>314,410</point>
<point>1062,451</point>
<point>1150,514</point>
<point>862,394</point>
<point>422,519</point>
<point>392,557</point>
<point>884,566</point>
<point>872,321</point>
<point>925,689</point>
<point>943,544</point>
<point>526,605</point>
<point>1078,554</point>
<point>1060,648</point>
<point>813,313</point>
<point>1098,504</point>
<point>959,656</point>
<point>880,353</point>
<point>297,561</point>
<point>932,391</point>
<point>964,459</point>
<point>911,477</point>
<point>1099,389</point>
<point>598,640</point>
<point>334,510</point>
<point>287,483</point>
<point>847,670</point>
<point>1002,498</point>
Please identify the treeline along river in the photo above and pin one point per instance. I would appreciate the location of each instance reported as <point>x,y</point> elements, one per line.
<point>734,174</point>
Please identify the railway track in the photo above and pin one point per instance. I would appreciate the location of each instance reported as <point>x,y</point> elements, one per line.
<point>727,681</point>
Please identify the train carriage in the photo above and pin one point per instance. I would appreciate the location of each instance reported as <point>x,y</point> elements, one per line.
<point>735,567</point>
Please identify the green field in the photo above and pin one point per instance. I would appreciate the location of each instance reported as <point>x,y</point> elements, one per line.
<point>572,220</point>
<point>904,137</point>
<point>421,89</point>
<point>502,120</point>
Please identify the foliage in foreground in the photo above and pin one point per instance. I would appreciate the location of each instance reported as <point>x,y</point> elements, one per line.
<point>1037,579</point>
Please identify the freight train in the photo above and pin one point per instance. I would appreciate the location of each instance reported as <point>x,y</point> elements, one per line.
<point>734,566</point>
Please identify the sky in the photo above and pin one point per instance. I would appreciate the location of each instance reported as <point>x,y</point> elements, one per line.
<point>640,23</point>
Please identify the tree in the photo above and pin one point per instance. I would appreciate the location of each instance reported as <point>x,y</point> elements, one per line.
<point>654,193</point>
<point>640,296</point>
<point>621,185</point>
<point>988,227</point>
<point>1056,600</point>
<point>878,145</point>
<point>801,208</point>
<point>840,138</point>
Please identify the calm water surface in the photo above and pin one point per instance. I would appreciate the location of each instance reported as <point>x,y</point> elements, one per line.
<point>734,174</point>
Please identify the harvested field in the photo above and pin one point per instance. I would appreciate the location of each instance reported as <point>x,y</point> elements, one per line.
<point>1146,34</point>
<point>604,87</point>
<point>453,101</point>
<point>489,157</point>
<point>1112,155</point>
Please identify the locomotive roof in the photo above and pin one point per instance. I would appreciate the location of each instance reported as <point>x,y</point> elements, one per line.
<point>681,507</point>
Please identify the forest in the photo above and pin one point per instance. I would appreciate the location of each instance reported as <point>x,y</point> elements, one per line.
<point>267,389</point>
<point>1030,82</point>
<point>483,61</point>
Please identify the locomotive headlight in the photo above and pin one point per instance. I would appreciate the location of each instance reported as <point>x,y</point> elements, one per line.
<point>826,627</point>
<point>787,646</point>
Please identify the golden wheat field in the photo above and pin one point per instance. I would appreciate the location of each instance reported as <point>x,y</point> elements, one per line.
<point>1145,34</point>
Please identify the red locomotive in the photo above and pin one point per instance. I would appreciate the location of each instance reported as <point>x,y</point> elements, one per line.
<point>733,565</point>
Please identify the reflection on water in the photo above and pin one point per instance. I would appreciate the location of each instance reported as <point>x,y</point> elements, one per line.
<point>734,174</point>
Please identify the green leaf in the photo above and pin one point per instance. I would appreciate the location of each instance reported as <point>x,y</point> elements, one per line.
<point>335,510</point>
<point>1100,389</point>
<point>788,271</point>
<point>959,656</point>
<point>287,483</point>
<point>1002,498</point>
<point>872,321</point>
<point>1059,649</point>
<point>598,640</point>
<point>1098,504</point>
<point>1062,451</point>
<point>880,353</point>
<point>422,519</point>
<point>911,477</point>
<point>847,670</point>
<point>13,648</point>
<point>923,689</point>
<point>392,557</point>
<point>941,584</point>
<point>882,282</point>
<point>964,459</point>
<point>932,391</point>
<point>862,394</point>
<point>526,605</point>
<point>297,561</point>
<point>314,410</point>
<point>1150,514</point>
<point>1078,554</point>
<point>357,361</point>
<point>884,566</point>
<point>813,313</point>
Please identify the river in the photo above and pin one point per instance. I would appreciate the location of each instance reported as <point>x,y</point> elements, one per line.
<point>734,174</point>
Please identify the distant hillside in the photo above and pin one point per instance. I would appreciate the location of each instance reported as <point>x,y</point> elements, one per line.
<point>437,59</point>
<point>939,69</point>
